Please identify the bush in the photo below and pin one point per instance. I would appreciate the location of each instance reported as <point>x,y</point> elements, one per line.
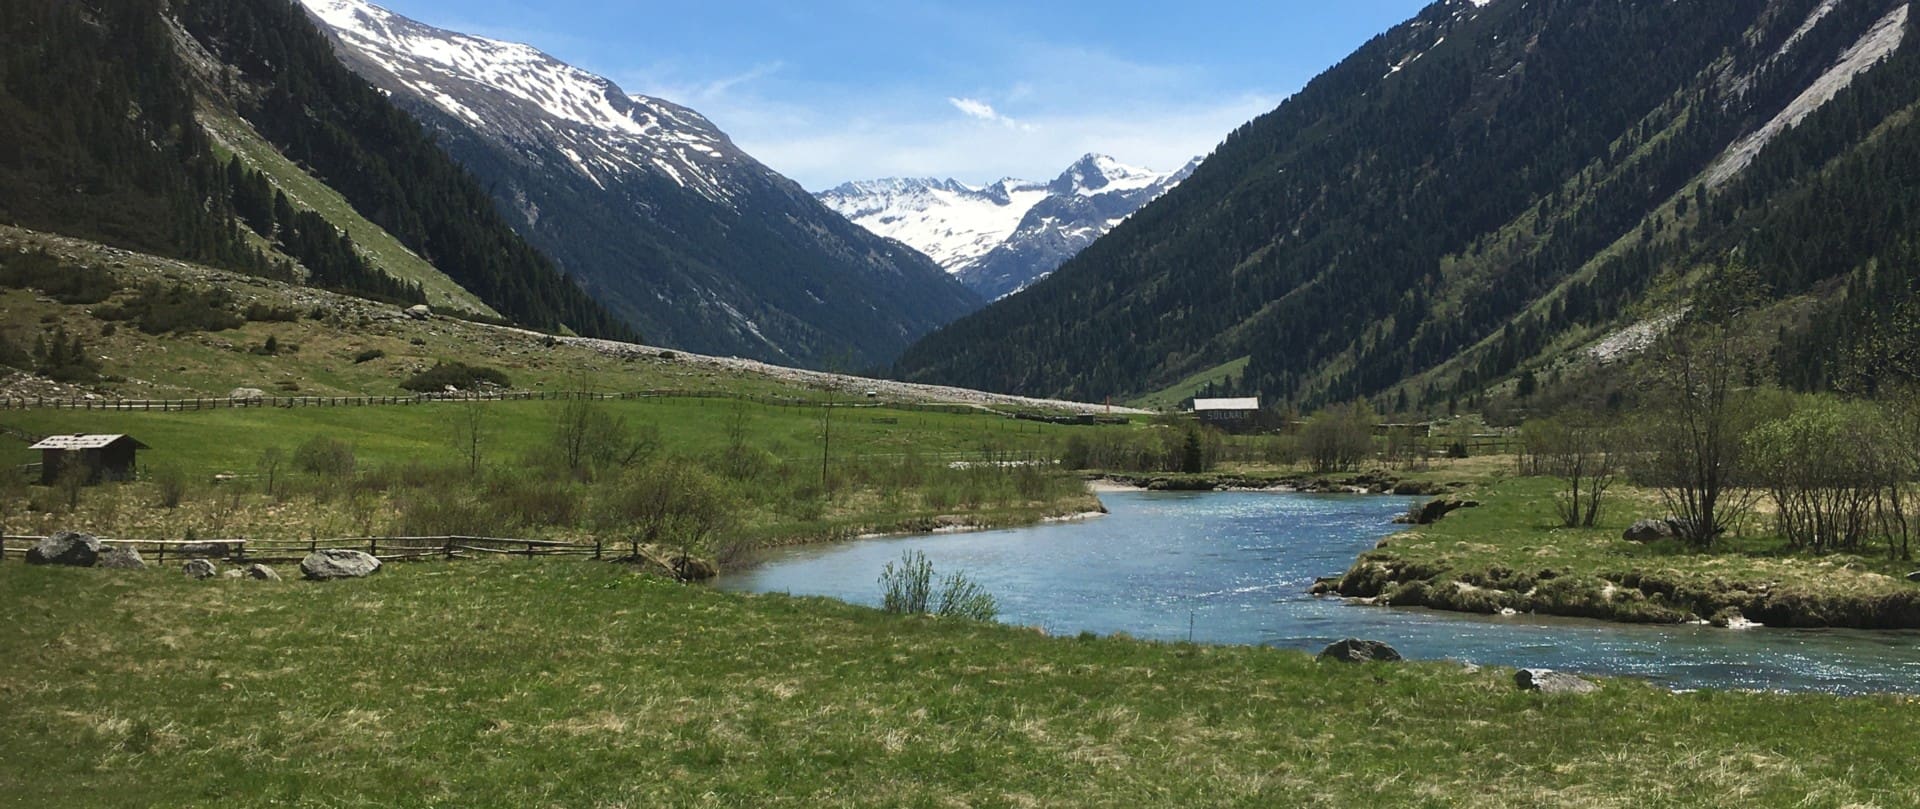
<point>455,375</point>
<point>264,313</point>
<point>172,484</point>
<point>907,588</point>
<point>1339,438</point>
<point>64,358</point>
<point>63,282</point>
<point>325,457</point>
<point>368,355</point>
<point>179,309</point>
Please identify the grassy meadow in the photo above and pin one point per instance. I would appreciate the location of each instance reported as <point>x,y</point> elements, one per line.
<point>1512,552</point>
<point>561,683</point>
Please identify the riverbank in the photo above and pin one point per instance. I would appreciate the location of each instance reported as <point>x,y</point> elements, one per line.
<point>571,683</point>
<point>1372,482</point>
<point>1508,555</point>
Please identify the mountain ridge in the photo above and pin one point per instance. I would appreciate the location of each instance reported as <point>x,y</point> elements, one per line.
<point>1000,237</point>
<point>649,205</point>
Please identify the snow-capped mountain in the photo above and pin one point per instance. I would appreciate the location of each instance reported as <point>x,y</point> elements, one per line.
<point>648,204</point>
<point>1000,238</point>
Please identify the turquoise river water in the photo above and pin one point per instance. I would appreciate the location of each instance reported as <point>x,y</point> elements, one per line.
<point>1234,568</point>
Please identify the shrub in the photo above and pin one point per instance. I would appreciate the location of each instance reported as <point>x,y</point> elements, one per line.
<point>265,313</point>
<point>172,484</point>
<point>63,282</point>
<point>179,309</point>
<point>456,375</point>
<point>64,358</point>
<point>325,457</point>
<point>907,588</point>
<point>368,355</point>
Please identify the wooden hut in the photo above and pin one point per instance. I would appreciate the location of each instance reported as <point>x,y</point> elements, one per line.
<point>106,457</point>
<point>1227,414</point>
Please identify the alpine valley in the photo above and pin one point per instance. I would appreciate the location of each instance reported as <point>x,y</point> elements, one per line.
<point>1499,191</point>
<point>649,205</point>
<point>999,239</point>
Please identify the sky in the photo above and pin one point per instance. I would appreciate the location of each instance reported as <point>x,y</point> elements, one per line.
<point>827,91</point>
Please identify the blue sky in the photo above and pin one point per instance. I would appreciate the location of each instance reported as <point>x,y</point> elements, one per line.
<point>834,90</point>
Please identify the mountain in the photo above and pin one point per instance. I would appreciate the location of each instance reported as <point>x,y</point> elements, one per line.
<point>1489,189</point>
<point>1000,238</point>
<point>203,130</point>
<point>649,205</point>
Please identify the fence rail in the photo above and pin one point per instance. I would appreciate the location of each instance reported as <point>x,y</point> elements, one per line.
<point>394,548</point>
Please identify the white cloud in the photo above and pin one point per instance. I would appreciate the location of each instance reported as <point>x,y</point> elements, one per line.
<point>1049,106</point>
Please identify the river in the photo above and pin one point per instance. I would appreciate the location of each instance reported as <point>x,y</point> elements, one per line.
<point>1234,568</point>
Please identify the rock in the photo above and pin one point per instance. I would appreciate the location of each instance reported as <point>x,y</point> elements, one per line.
<point>247,394</point>
<point>1438,507</point>
<point>262,573</point>
<point>211,550</point>
<point>1324,585</point>
<point>1649,531</point>
<point>1354,650</point>
<point>121,559</point>
<point>419,311</point>
<point>199,569</point>
<point>233,573</point>
<point>1548,681</point>
<point>1914,576</point>
<point>338,564</point>
<point>68,548</point>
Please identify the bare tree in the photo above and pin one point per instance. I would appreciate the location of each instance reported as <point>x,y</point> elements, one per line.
<point>1702,410</point>
<point>668,500</point>
<point>467,427</point>
<point>272,460</point>
<point>1579,449</point>
<point>586,437</point>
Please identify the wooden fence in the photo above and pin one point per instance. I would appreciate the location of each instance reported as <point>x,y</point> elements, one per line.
<point>386,549</point>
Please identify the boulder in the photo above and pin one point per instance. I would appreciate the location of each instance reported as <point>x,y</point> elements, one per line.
<point>1649,531</point>
<point>247,394</point>
<point>1354,650</point>
<point>210,550</point>
<point>419,311</point>
<point>262,573</point>
<point>199,569</point>
<point>1548,681</point>
<point>233,573</point>
<point>338,564</point>
<point>1914,576</point>
<point>121,559</point>
<point>694,568</point>
<point>68,548</point>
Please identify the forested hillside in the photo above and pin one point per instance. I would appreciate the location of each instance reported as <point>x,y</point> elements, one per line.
<point>99,138</point>
<point>1491,183</point>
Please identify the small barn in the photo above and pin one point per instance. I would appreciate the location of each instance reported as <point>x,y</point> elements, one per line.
<point>1227,413</point>
<point>106,457</point>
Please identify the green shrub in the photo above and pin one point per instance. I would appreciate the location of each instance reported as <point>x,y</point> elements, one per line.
<point>177,309</point>
<point>63,282</point>
<point>368,355</point>
<point>325,457</point>
<point>907,588</point>
<point>266,313</point>
<point>455,375</point>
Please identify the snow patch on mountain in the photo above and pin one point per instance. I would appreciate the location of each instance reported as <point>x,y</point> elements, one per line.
<point>519,92</point>
<point>1002,237</point>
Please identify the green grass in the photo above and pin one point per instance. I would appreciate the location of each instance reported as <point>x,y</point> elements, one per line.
<point>1512,553</point>
<point>381,248</point>
<point>231,440</point>
<point>518,683</point>
<point>1170,397</point>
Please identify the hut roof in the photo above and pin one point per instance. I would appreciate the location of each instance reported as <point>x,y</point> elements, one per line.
<point>1204,405</point>
<point>79,442</point>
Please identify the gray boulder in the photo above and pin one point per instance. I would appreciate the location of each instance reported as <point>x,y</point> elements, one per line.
<point>199,569</point>
<point>1914,576</point>
<point>1649,531</point>
<point>121,559</point>
<point>419,311</point>
<point>233,573</point>
<point>1547,681</point>
<point>68,548</point>
<point>247,394</point>
<point>338,564</point>
<point>1354,650</point>
<point>262,573</point>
